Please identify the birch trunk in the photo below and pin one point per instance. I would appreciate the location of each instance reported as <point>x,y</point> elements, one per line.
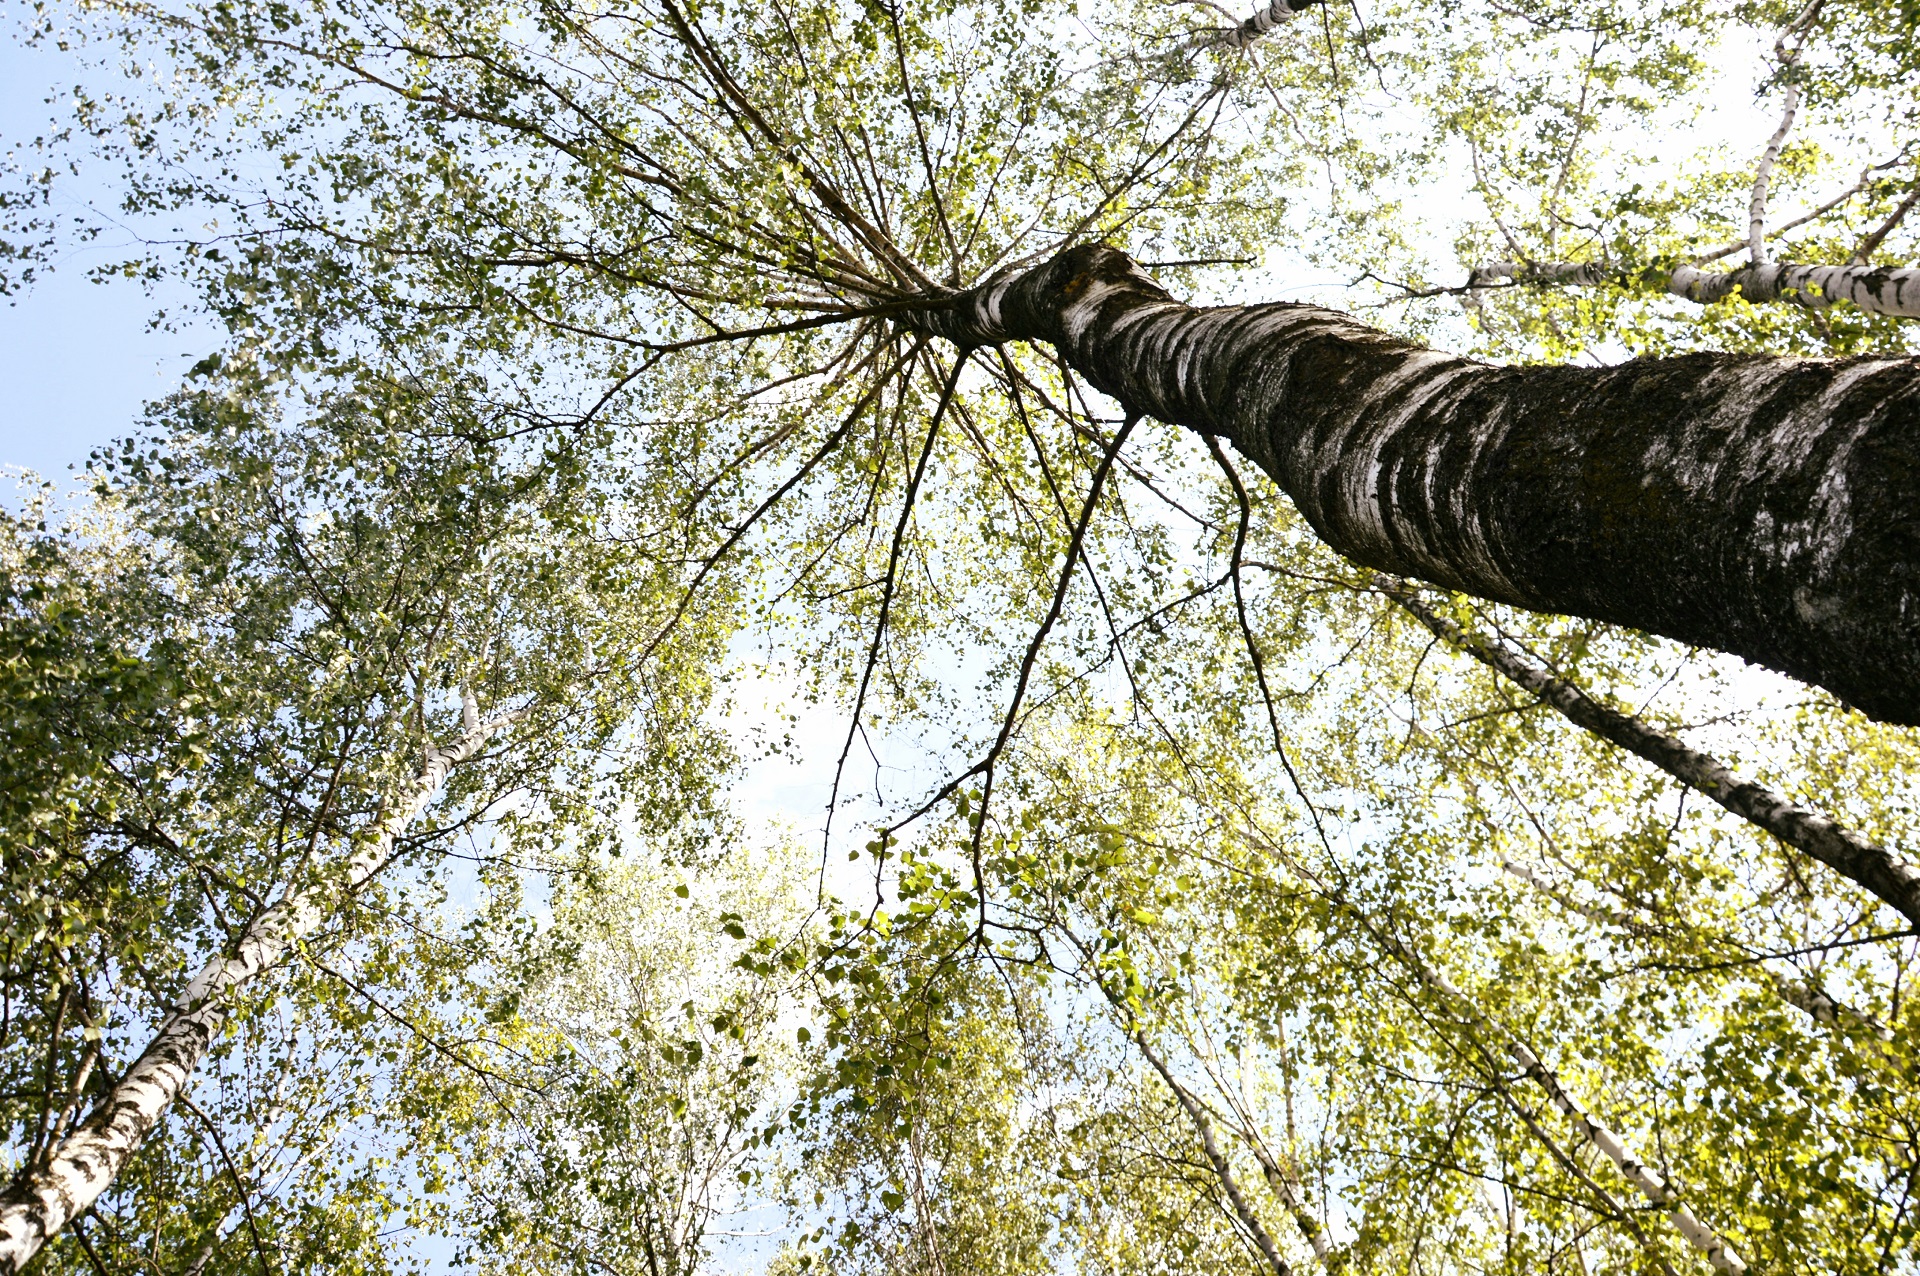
<point>1878,290</point>
<point>1281,1184</point>
<point>1645,1180</point>
<point>47,1196</point>
<point>1242,1208</point>
<point>1844,851</point>
<point>1649,1184</point>
<point>1264,19</point>
<point>1754,505</point>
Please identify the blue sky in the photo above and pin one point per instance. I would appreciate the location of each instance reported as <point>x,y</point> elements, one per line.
<point>77,359</point>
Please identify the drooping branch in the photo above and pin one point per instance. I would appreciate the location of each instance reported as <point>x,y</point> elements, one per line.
<point>1802,995</point>
<point>1854,857</point>
<point>44,1199</point>
<point>1070,564</point>
<point>1878,290</point>
<point>1760,506</point>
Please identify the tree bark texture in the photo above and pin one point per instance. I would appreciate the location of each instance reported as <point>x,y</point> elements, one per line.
<point>1264,19</point>
<point>43,1199</point>
<point>1768,507</point>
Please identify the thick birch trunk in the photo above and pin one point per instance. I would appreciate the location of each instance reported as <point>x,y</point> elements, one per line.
<point>1879,290</point>
<point>45,1198</point>
<point>1839,848</point>
<point>1760,506</point>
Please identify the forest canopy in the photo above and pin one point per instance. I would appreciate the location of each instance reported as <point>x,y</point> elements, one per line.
<point>1339,587</point>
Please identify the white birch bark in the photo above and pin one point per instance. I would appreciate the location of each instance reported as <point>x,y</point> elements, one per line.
<point>1649,1183</point>
<point>1763,170</point>
<point>1813,214</point>
<point>1283,1183</point>
<point>1876,289</point>
<point>1264,19</point>
<point>1892,879</point>
<point>71,1177</point>
<point>1282,1186</point>
<point>1221,1169</point>
<point>1587,273</point>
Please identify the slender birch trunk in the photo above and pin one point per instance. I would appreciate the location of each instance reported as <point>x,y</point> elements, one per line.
<point>1879,290</point>
<point>1648,1182</point>
<point>1242,1208</point>
<point>1760,506</point>
<point>1854,857</point>
<point>1282,1186</point>
<point>48,1195</point>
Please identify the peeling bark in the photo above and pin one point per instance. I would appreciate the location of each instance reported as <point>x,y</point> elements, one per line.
<point>1844,851</point>
<point>1760,506</point>
<point>49,1195</point>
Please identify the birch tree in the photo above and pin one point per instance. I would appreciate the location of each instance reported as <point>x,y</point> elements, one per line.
<point>1816,596</point>
<point>869,328</point>
<point>644,1131</point>
<point>316,627</point>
